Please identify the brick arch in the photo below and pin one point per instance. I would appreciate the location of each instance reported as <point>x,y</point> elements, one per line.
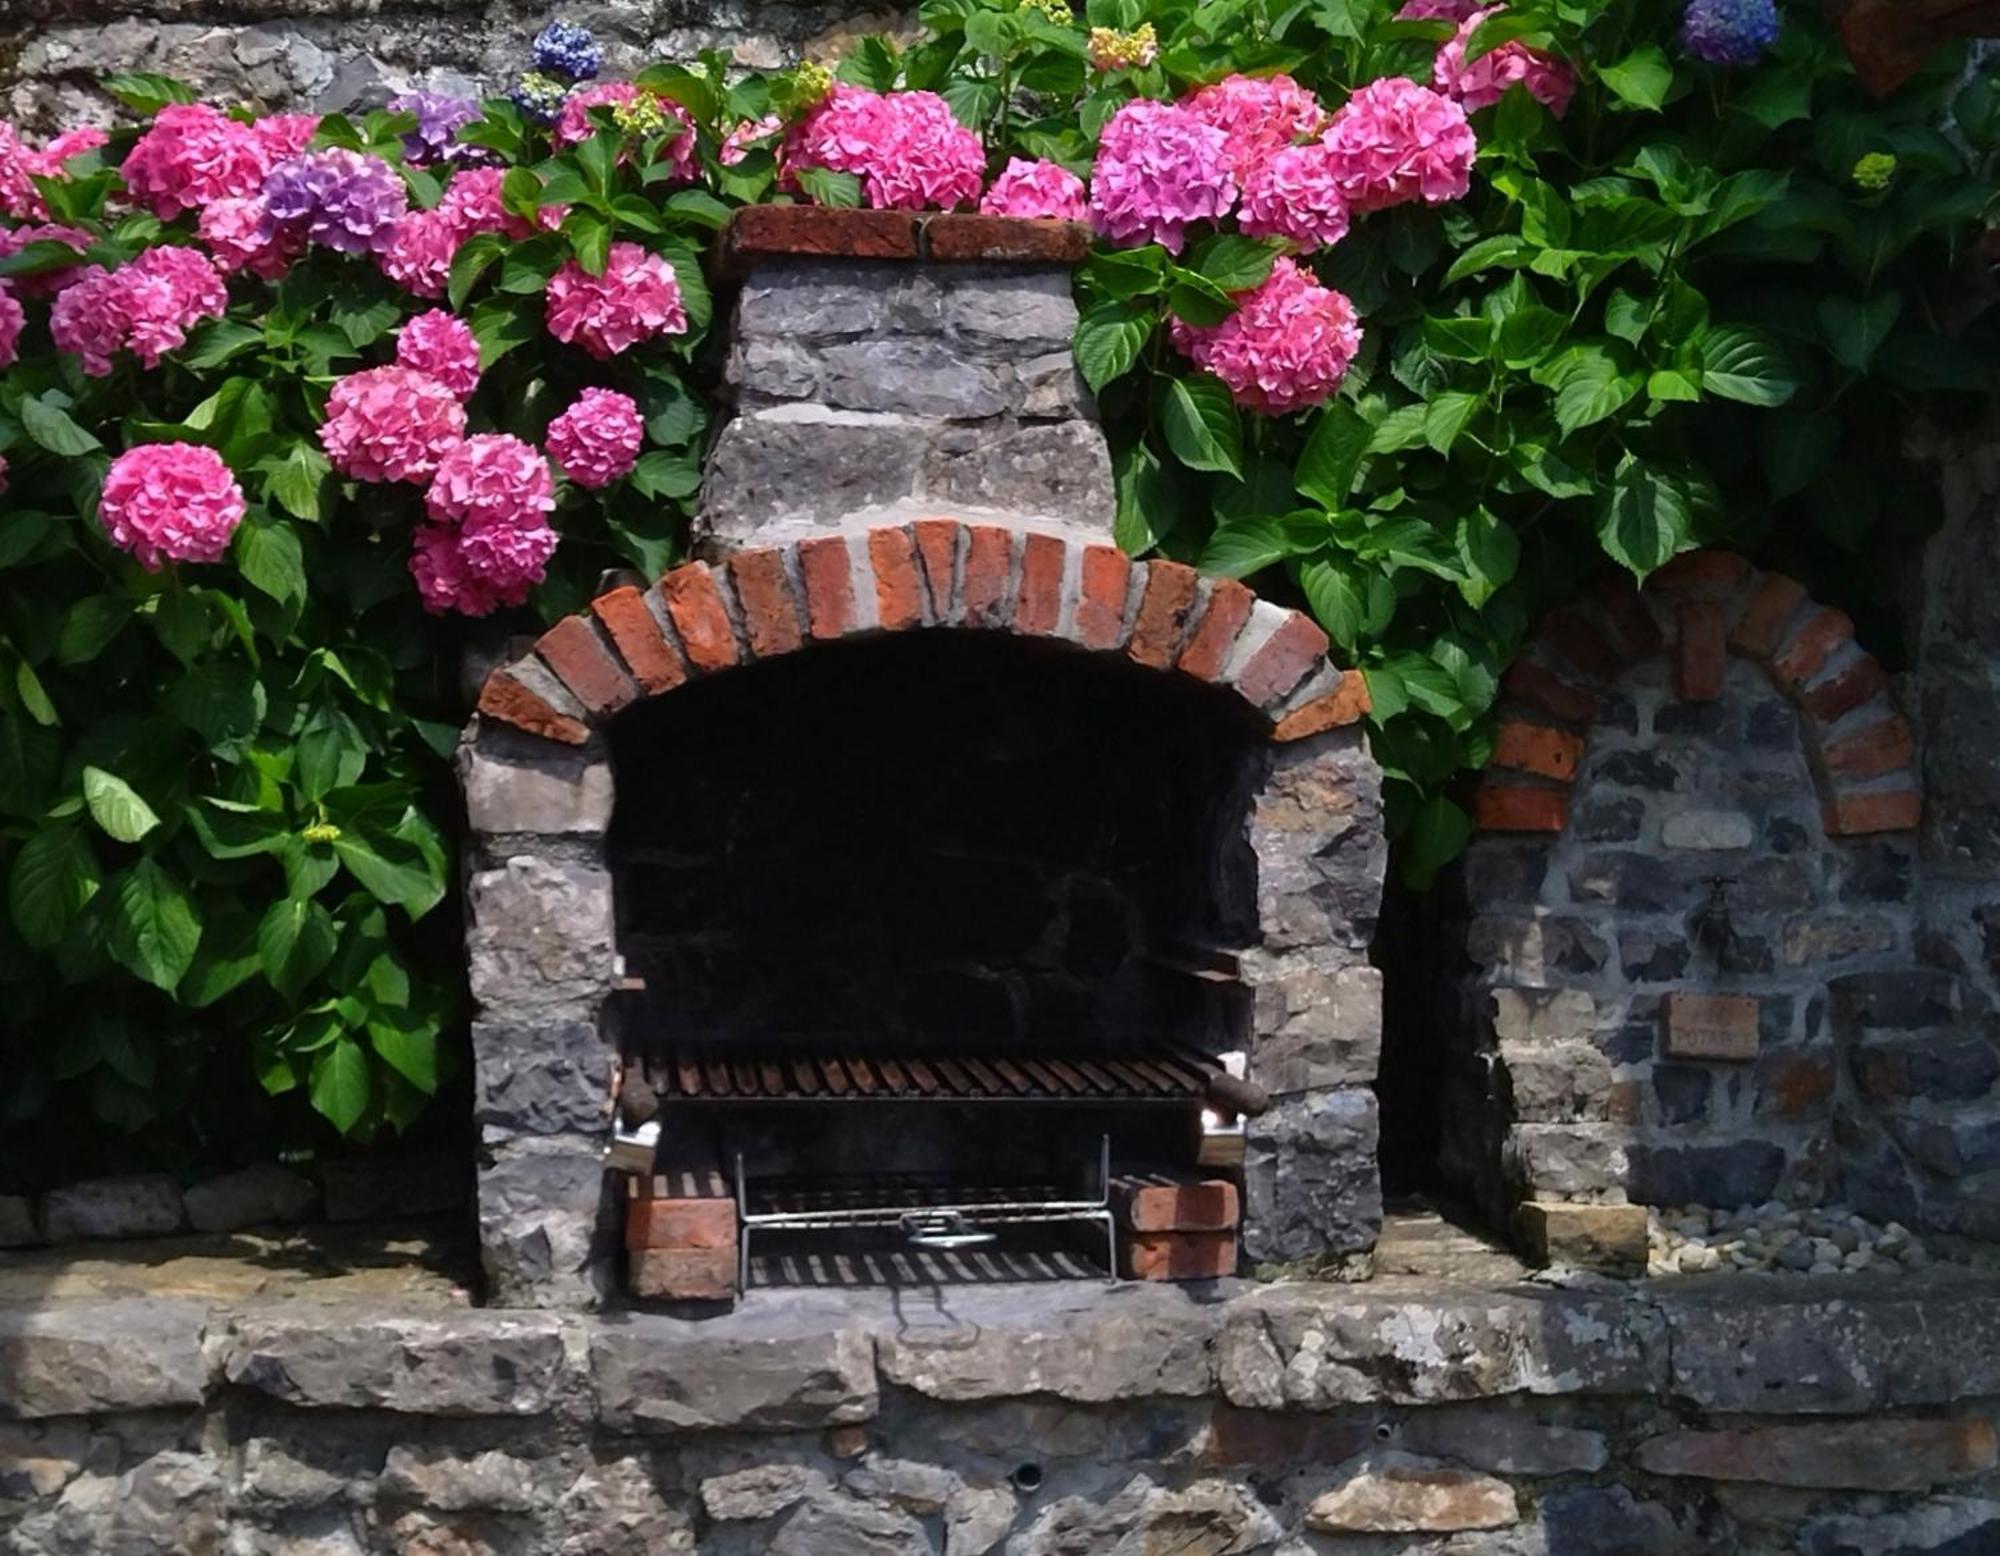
<point>763,603</point>
<point>1700,608</point>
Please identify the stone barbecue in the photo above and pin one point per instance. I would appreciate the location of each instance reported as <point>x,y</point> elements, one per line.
<point>922,866</point>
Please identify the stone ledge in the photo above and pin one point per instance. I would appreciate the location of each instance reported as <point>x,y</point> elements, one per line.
<point>822,232</point>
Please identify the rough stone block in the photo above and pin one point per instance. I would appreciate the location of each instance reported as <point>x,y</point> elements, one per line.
<point>1712,831</point>
<point>1060,469</point>
<point>684,1274</point>
<point>453,1482</point>
<point>1711,1026</point>
<point>461,1364</point>
<point>1611,1238</point>
<point>1610,1521</point>
<point>913,376</point>
<point>1318,1022</point>
<point>1538,948</point>
<point>1014,312</point>
<point>1879,1455</point>
<point>1905,1000</point>
<point>92,1358</point>
<point>514,785</point>
<point>147,1205</point>
<point>1556,1084</point>
<point>923,1489</point>
<point>1503,1441</point>
<point>540,938</point>
<point>1569,1160</point>
<point>1398,1493</point>
<point>260,1195</point>
<point>1745,1172</point>
<point>656,1374</point>
<point>1538,1016</point>
<point>542,1210</point>
<point>1635,881</point>
<point>541,1078</point>
<point>1169,1202</point>
<point>823,1526</point>
<point>1177,1256</point>
<point>760,1491</point>
<point>1310,1178</point>
<point>801,467</point>
<point>1316,832</point>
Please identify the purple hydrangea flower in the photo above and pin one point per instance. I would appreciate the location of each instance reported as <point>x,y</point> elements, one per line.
<point>439,119</point>
<point>540,97</point>
<point>1729,32</point>
<point>338,198</point>
<point>564,49</point>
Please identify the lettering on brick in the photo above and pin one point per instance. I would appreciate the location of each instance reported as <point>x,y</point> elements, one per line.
<point>1711,1026</point>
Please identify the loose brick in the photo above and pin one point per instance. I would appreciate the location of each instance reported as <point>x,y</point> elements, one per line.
<point>1857,813</point>
<point>1163,613</point>
<point>989,556</point>
<point>654,662</point>
<point>1870,752</point>
<point>580,660</point>
<point>1544,689</point>
<point>1702,569</point>
<point>1038,607</point>
<point>827,567</point>
<point>1844,690</point>
<point>1166,1202</point>
<point>770,614</point>
<point>1347,703</point>
<point>1583,646</point>
<point>1761,627</point>
<point>685,1274</point>
<point>1535,748</point>
<point>1177,1255</point>
<point>1627,620</point>
<point>509,701</point>
<point>1611,1238</point>
<point>680,1223</point>
<point>1287,658</point>
<point>899,590</point>
<point>1711,1026</point>
<point>937,545</point>
<point>1222,619</point>
<point>821,230</point>
<point>1498,808</point>
<point>1701,653</point>
<point>694,605</point>
<point>1809,648</point>
<point>1104,576</point>
<point>1010,239</point>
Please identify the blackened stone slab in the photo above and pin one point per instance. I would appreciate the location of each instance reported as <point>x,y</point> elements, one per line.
<point>1310,1177</point>
<point>470,1364</point>
<point>541,1079</point>
<point>84,1358</point>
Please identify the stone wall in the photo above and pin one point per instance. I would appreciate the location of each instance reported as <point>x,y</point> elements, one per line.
<point>1699,1420</point>
<point>336,54</point>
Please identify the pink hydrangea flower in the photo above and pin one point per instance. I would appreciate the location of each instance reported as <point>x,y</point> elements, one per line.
<point>492,494</point>
<point>146,307</point>
<point>441,344</point>
<point>1487,79</point>
<point>1295,195</point>
<point>597,439</point>
<point>174,501</point>
<point>45,283</point>
<point>1260,115</point>
<point>1159,170</point>
<point>238,233</point>
<point>1040,188</point>
<point>193,154</point>
<point>839,132</point>
<point>21,164</point>
<point>1287,346</point>
<point>575,123</point>
<point>635,299</point>
<point>1453,11</point>
<point>390,424</point>
<point>1395,141</point>
<point>3,475</point>
<point>445,583</point>
<point>908,149</point>
<point>419,253</point>
<point>487,477</point>
<point>285,135</point>
<point>738,143</point>
<point>13,319</point>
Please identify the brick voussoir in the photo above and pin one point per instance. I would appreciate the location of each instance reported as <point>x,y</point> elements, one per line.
<point>771,621</point>
<point>1810,646</point>
<point>1038,601</point>
<point>1104,580</point>
<point>826,565</point>
<point>1859,812</point>
<point>1348,703</point>
<point>1762,625</point>
<point>899,584</point>
<point>1222,620</point>
<point>1536,748</point>
<point>986,575</point>
<point>508,698</point>
<point>938,547</point>
<point>694,605</point>
<point>578,657</point>
<point>1543,689</point>
<point>1708,569</point>
<point>641,641</point>
<point>1286,658</point>
<point>1572,635</point>
<point>1158,629</point>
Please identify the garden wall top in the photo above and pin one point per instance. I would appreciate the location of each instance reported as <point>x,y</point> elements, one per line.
<point>767,231</point>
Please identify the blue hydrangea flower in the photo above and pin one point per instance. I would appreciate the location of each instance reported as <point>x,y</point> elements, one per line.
<point>1729,32</point>
<point>540,97</point>
<point>563,49</point>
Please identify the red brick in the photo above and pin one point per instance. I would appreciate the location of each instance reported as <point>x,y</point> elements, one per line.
<point>1583,646</point>
<point>899,589</point>
<point>1806,654</point>
<point>1702,569</point>
<point>1711,1026</point>
<point>680,1223</point>
<point>510,702</point>
<point>1870,752</point>
<point>827,567</point>
<point>580,660</point>
<point>1104,577</point>
<point>1038,609</point>
<point>1535,748</point>
<point>937,545</point>
<point>1207,652</point>
<point>1163,613</point>
<point>685,1274</point>
<point>1761,627</point>
<point>694,605</point>
<point>1844,690</point>
<point>1701,651</point>
<point>1855,814</point>
<point>823,230</point>
<point>654,662</point>
<point>1347,703</point>
<point>1548,691</point>
<point>1177,1255</point>
<point>770,614</point>
<point>1496,808</point>
<point>1288,656</point>
<point>1013,239</point>
<point>989,557</point>
<point>1627,620</point>
<point>1164,1202</point>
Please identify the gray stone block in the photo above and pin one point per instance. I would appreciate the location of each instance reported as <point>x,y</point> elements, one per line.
<point>1744,1172</point>
<point>454,1482</point>
<point>540,939</point>
<point>1557,1083</point>
<point>652,1374</point>
<point>1316,832</point>
<point>462,1364</point>
<point>88,1358</point>
<point>1565,1160</point>
<point>515,785</point>
<point>1531,1016</point>
<point>1318,1022</point>
<point>914,377</point>
<point>265,1193</point>
<point>1610,1521</point>
<point>1310,1177</point>
<point>834,1525</point>
<point>544,1237</point>
<point>804,467</point>
<point>148,1205</point>
<point>812,300</point>
<point>1059,469</point>
<point>1012,312</point>
<point>541,1078</point>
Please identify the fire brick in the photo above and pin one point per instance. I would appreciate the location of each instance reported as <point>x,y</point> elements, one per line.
<point>1867,753</point>
<point>580,660</point>
<point>1535,748</point>
<point>988,558</point>
<point>694,605</point>
<point>1544,689</point>
<point>1701,654</point>
<point>684,1274</point>
<point>1347,703</point>
<point>1038,608</point>
<point>1499,809</point>
<point>1163,613</point>
<point>654,662</point>
<point>1162,1202</point>
<point>1208,646</point>
<point>1856,813</point>
<point>1177,1255</point>
<point>1761,628</point>
<point>1811,646</point>
<point>827,568</point>
<point>899,590</point>
<point>680,1223</point>
<point>1100,601</point>
<point>1287,658</point>
<point>770,615</point>
<point>510,702</point>
<point>964,235</point>
<point>937,544</point>
<point>812,229</point>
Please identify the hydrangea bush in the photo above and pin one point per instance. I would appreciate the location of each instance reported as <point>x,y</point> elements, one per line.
<point>1418,313</point>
